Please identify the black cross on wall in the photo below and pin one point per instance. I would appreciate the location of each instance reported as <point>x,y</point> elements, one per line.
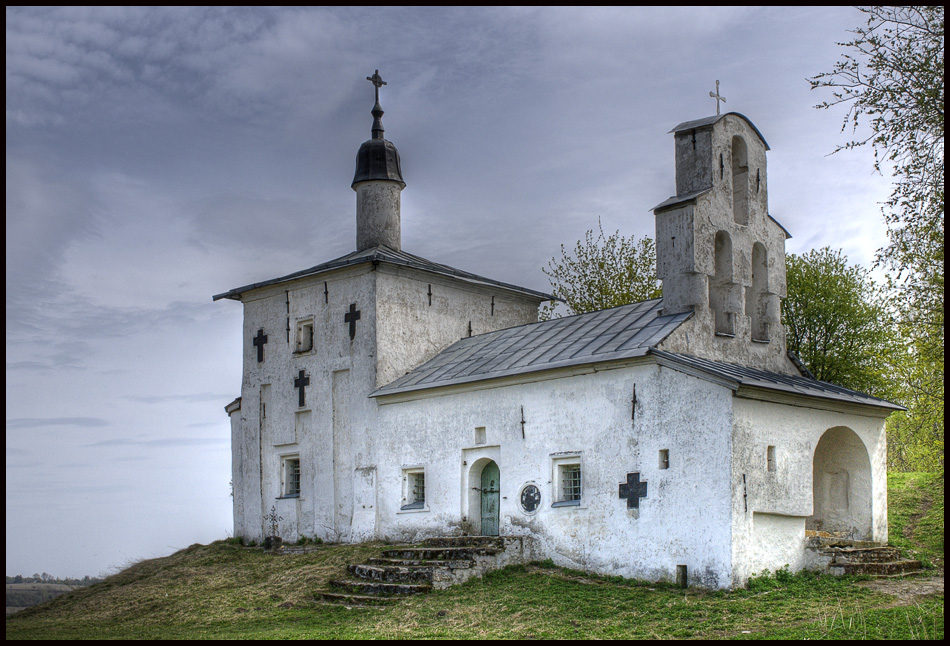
<point>259,342</point>
<point>352,317</point>
<point>633,490</point>
<point>300,383</point>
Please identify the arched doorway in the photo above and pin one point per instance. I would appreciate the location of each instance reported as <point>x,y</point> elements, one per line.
<point>841,485</point>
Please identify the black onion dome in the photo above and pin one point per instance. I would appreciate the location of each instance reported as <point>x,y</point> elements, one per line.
<point>378,159</point>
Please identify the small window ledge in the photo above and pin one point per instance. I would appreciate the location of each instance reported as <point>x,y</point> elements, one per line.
<point>726,334</point>
<point>566,503</point>
<point>765,341</point>
<point>413,508</point>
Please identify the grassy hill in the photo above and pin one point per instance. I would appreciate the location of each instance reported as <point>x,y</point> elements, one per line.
<point>223,590</point>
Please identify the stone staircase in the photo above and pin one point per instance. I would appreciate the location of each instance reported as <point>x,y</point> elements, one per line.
<point>840,556</point>
<point>437,563</point>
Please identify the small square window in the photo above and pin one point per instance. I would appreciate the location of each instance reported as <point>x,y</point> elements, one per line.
<point>290,476</point>
<point>664,458</point>
<point>414,489</point>
<point>567,481</point>
<point>304,336</point>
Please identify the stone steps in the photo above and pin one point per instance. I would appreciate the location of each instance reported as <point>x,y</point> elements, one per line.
<point>423,554</point>
<point>840,556</point>
<point>436,563</point>
<point>415,563</point>
<point>889,568</point>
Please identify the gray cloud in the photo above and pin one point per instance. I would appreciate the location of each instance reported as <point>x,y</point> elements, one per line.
<point>170,442</point>
<point>42,422</point>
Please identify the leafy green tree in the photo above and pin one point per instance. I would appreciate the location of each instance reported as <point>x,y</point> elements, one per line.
<point>838,323</point>
<point>892,76</point>
<point>602,272</point>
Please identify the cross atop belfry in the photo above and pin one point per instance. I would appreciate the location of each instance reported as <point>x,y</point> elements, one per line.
<point>716,96</point>
<point>378,82</point>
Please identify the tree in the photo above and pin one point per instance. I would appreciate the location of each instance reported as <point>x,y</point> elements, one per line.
<point>604,272</point>
<point>838,323</point>
<point>893,75</point>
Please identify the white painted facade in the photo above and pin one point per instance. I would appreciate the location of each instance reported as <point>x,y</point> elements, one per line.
<point>734,473</point>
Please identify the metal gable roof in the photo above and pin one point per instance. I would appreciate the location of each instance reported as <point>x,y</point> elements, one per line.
<point>618,333</point>
<point>624,332</point>
<point>754,378</point>
<point>383,254</point>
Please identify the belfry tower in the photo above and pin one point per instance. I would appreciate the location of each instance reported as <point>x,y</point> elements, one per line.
<point>719,252</point>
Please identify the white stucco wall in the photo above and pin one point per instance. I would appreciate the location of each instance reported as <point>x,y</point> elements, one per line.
<point>769,521</point>
<point>412,327</point>
<point>326,435</point>
<point>333,432</point>
<point>587,415</point>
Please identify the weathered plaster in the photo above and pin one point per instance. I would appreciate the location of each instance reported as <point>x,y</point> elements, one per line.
<point>588,416</point>
<point>770,509</point>
<point>685,239</point>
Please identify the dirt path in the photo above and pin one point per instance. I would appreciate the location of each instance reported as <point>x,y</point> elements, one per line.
<point>907,590</point>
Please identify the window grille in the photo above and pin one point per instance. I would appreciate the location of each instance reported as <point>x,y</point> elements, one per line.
<point>419,488</point>
<point>292,487</point>
<point>571,482</point>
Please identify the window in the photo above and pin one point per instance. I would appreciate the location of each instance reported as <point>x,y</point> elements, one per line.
<point>664,458</point>
<point>770,458</point>
<point>414,488</point>
<point>304,336</point>
<point>740,181</point>
<point>480,435</point>
<point>290,476</point>
<point>568,482</point>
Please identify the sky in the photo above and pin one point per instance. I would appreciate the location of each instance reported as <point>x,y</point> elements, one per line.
<point>158,156</point>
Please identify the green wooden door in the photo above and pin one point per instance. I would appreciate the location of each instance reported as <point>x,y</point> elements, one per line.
<point>491,492</point>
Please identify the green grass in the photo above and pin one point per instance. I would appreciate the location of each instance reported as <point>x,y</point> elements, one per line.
<point>915,515</point>
<point>224,591</point>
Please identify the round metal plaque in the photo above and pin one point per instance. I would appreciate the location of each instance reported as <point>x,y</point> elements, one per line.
<point>530,498</point>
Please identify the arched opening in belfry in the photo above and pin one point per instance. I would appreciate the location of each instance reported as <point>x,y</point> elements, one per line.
<point>740,181</point>
<point>720,285</point>
<point>841,485</point>
<point>757,301</point>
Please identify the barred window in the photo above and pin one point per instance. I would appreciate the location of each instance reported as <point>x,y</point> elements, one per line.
<point>571,482</point>
<point>419,487</point>
<point>291,477</point>
<point>414,488</point>
<point>567,480</point>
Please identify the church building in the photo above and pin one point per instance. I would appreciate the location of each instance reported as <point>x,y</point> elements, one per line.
<point>389,397</point>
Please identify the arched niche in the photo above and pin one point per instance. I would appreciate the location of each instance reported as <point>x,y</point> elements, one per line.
<point>841,484</point>
<point>740,181</point>
<point>757,301</point>
<point>720,285</point>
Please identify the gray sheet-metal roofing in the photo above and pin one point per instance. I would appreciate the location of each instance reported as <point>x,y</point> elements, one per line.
<point>623,332</point>
<point>386,255</point>
<point>619,333</point>
<point>754,378</point>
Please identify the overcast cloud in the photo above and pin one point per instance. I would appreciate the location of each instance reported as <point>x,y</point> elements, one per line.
<point>155,157</point>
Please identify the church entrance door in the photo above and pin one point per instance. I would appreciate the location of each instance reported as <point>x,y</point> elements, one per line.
<point>490,498</point>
